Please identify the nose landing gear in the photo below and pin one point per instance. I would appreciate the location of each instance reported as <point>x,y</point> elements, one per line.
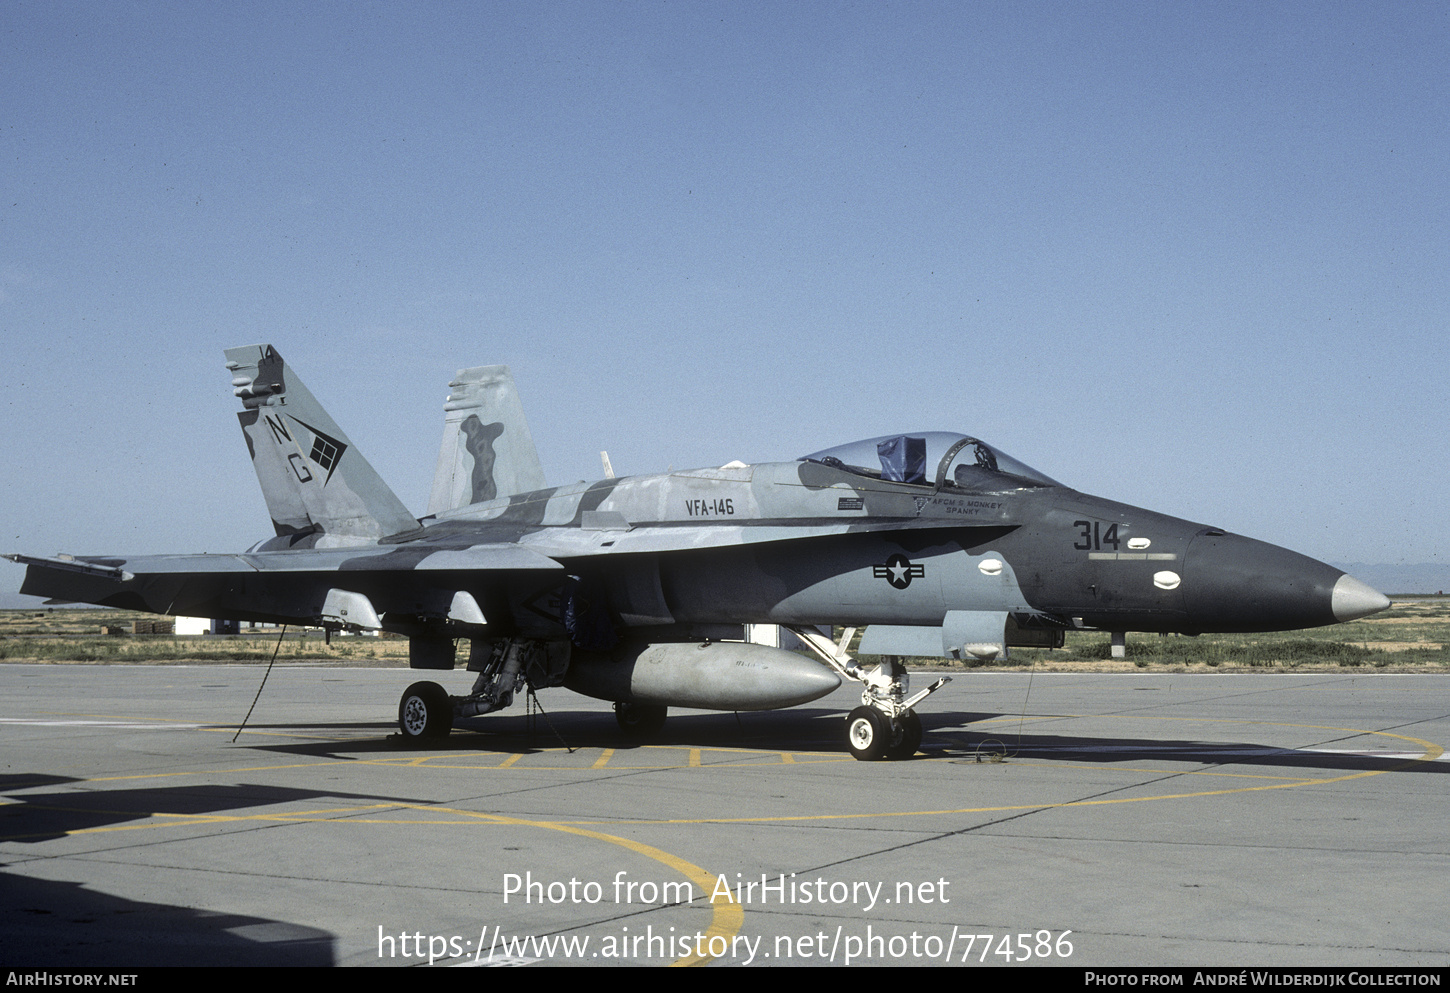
<point>885,726</point>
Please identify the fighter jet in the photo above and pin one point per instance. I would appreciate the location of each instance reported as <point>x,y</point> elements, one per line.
<point>640,590</point>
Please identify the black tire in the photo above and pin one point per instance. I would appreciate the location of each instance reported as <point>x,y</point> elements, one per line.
<point>905,737</point>
<point>868,734</point>
<point>640,720</point>
<point>425,713</point>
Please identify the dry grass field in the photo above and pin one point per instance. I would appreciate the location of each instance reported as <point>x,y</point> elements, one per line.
<point>1412,636</point>
<point>79,635</point>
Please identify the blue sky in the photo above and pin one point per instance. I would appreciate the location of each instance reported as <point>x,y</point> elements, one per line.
<point>1189,256</point>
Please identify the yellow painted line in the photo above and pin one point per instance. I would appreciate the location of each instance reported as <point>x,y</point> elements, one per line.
<point>173,819</point>
<point>694,761</point>
<point>190,772</point>
<point>510,760</point>
<point>1432,751</point>
<point>726,917</point>
<point>211,726</point>
<point>113,717</point>
<point>449,762</point>
<point>1186,720</point>
<point>603,759</point>
<point>1216,773</point>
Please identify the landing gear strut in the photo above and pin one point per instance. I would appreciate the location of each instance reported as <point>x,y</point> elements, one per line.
<point>885,726</point>
<point>906,736</point>
<point>426,711</point>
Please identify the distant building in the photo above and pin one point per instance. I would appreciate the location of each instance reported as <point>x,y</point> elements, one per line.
<point>207,625</point>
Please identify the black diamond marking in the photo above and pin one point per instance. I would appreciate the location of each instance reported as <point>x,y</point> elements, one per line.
<point>326,451</point>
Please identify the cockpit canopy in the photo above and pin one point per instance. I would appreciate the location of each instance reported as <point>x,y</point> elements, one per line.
<point>941,459</point>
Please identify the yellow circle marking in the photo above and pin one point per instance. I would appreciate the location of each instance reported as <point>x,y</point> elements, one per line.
<point>726,919</point>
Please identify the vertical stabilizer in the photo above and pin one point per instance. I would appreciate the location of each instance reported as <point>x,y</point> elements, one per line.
<point>312,476</point>
<point>487,451</point>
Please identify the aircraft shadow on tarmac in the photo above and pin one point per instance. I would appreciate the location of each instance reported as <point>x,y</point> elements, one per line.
<point>947,735</point>
<point>50,924</point>
<point>37,817</point>
<point>799,730</point>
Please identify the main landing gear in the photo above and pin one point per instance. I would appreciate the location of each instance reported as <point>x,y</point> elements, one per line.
<point>504,667</point>
<point>425,713</point>
<point>885,726</point>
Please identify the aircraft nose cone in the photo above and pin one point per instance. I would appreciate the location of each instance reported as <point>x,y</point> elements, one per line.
<point>1233,583</point>
<point>1352,599</point>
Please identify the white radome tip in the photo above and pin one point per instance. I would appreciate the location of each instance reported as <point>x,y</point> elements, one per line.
<point>1352,599</point>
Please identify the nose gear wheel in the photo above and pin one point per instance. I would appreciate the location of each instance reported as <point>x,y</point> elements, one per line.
<point>885,726</point>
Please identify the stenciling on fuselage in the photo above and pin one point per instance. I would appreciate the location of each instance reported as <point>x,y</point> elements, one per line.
<point>724,507</point>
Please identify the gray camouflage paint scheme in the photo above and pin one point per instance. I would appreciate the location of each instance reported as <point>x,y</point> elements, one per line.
<point>482,487</point>
<point>684,555</point>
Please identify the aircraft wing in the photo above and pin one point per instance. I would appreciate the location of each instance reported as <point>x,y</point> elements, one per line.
<point>495,567</point>
<point>295,585</point>
<point>478,558</point>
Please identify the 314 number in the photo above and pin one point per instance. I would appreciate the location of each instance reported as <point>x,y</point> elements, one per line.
<point>1092,537</point>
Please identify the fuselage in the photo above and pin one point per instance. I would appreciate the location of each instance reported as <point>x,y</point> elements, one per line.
<point>824,540</point>
<point>639,590</point>
<point>809,542</point>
